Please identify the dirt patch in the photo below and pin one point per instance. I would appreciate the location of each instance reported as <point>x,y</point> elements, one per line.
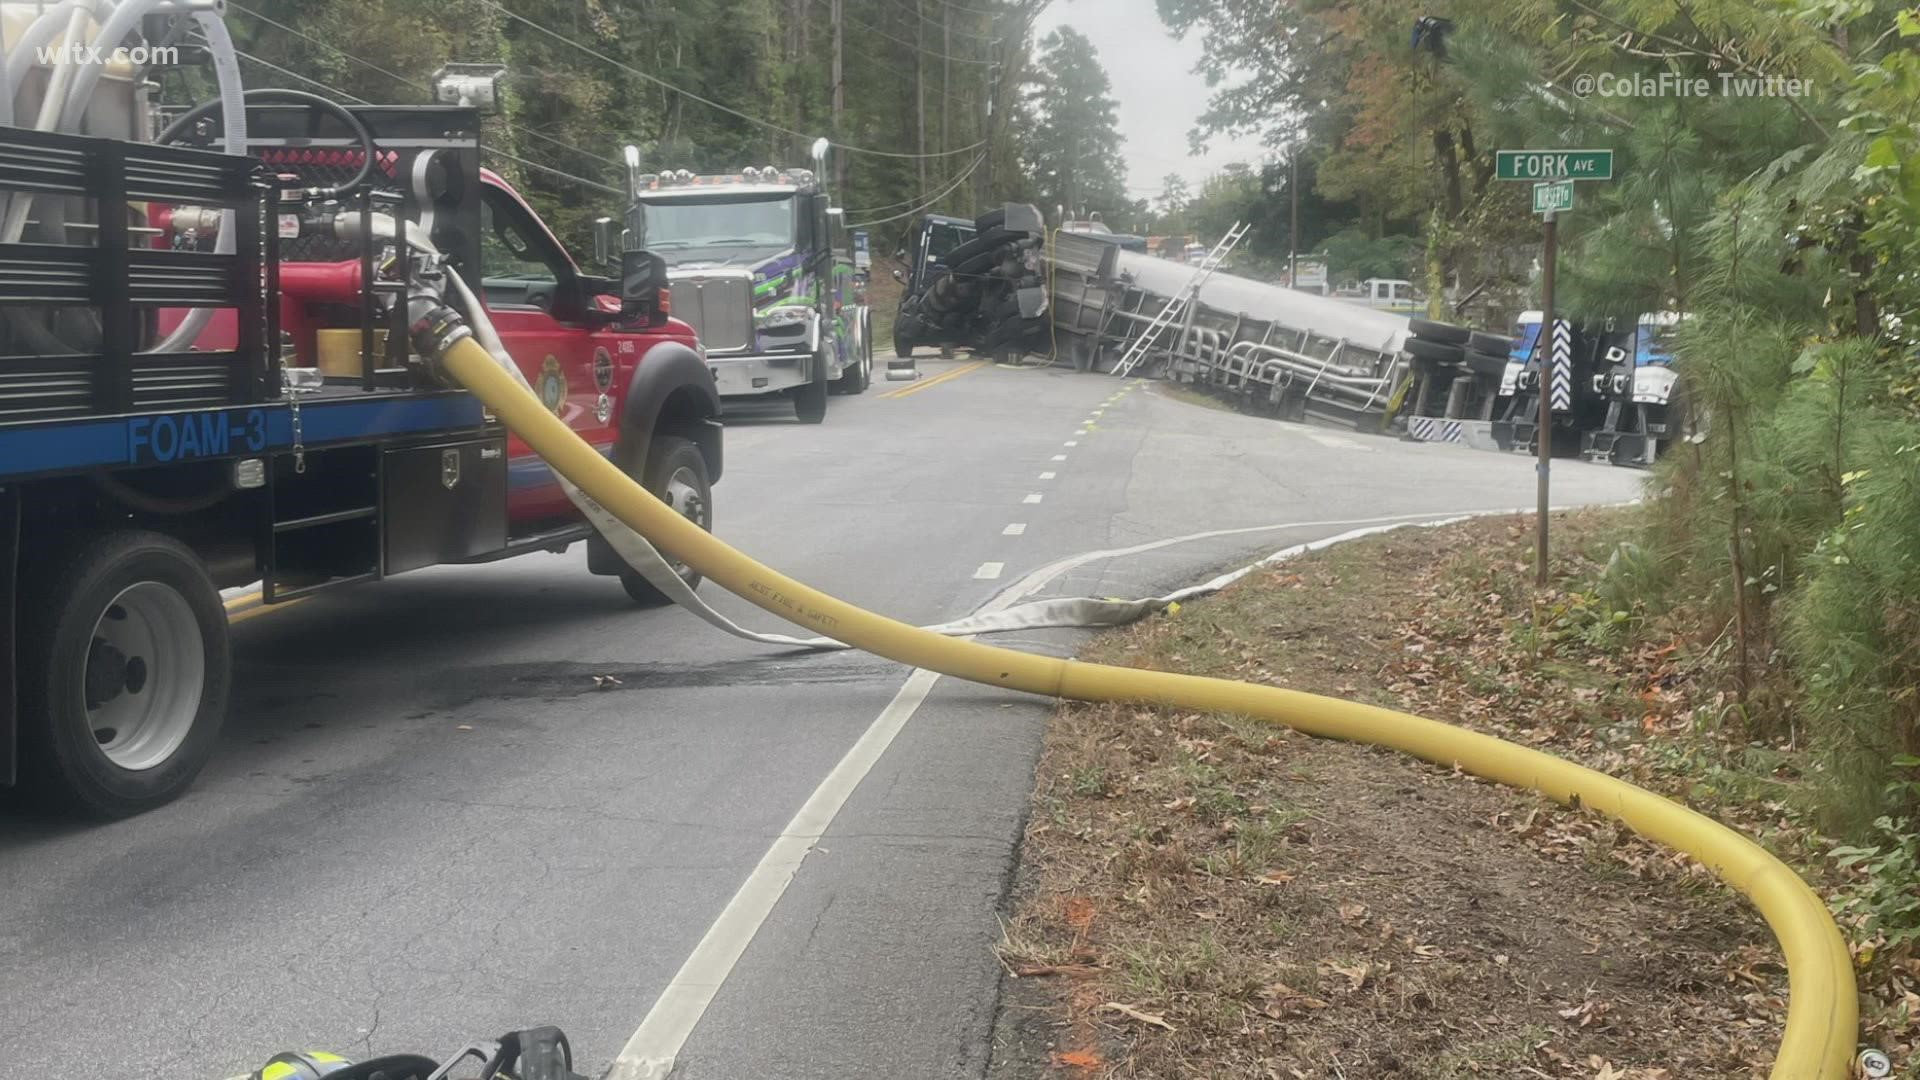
<point>1205,895</point>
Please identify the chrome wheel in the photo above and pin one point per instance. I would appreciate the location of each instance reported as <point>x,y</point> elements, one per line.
<point>688,497</point>
<point>145,675</point>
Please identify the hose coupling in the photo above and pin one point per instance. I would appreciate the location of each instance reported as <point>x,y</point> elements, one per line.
<point>434,327</point>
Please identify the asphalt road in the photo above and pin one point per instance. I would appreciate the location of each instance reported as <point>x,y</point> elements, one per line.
<point>427,825</point>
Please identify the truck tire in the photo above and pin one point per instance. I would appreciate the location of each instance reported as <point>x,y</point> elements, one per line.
<point>810,401</point>
<point>1491,344</point>
<point>1446,333</point>
<point>1481,363</point>
<point>857,376</point>
<point>1432,350</point>
<point>124,673</point>
<point>676,474</point>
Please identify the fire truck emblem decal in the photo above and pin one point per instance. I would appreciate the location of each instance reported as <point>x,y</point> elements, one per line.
<point>553,385</point>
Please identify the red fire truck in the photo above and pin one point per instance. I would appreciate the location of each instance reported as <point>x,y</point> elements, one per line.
<point>296,443</point>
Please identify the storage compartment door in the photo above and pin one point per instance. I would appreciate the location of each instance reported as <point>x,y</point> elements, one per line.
<point>443,502</point>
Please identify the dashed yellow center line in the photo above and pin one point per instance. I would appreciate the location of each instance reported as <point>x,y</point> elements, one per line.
<point>264,609</point>
<point>929,384</point>
<point>251,605</point>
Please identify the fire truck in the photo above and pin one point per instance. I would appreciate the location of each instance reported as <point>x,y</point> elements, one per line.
<point>761,268</point>
<point>206,384</point>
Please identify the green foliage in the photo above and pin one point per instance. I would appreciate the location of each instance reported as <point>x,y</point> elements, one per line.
<point>1069,133</point>
<point>1883,898</point>
<point>1855,632</point>
<point>1353,255</point>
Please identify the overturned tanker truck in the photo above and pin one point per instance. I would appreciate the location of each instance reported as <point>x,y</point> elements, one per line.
<point>977,284</point>
<point>1084,300</point>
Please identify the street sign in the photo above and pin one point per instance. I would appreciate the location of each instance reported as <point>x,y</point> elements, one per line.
<point>1553,164</point>
<point>1555,196</point>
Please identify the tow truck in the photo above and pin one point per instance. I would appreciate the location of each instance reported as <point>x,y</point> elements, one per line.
<point>755,258</point>
<point>298,443</point>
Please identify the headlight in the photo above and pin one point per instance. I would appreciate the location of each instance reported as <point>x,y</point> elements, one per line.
<point>781,317</point>
<point>1653,384</point>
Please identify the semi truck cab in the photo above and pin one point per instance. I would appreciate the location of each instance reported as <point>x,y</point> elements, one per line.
<point>756,269</point>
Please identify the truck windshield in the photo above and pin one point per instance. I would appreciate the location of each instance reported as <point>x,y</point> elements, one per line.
<point>943,237</point>
<point>683,229</point>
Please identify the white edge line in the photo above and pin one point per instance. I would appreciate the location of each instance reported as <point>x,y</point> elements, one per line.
<point>650,1053</point>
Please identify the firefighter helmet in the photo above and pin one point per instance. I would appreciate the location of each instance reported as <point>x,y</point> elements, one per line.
<point>301,1065</point>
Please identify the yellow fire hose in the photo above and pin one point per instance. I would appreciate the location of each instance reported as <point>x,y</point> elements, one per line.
<point>1822,1013</point>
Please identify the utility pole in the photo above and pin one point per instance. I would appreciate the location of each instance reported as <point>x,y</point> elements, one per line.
<point>1293,218</point>
<point>946,73</point>
<point>839,100</point>
<point>920,89</point>
<point>1543,435</point>
<point>983,177</point>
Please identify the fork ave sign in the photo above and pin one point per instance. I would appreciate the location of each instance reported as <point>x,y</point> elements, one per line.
<point>1553,164</point>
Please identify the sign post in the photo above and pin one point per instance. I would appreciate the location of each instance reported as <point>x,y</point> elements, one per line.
<point>1553,173</point>
<point>1543,433</point>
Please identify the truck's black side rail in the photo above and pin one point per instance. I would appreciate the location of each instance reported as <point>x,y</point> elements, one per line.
<point>54,372</point>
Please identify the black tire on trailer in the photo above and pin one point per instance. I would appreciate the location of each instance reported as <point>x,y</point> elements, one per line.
<point>810,401</point>
<point>676,474</point>
<point>855,377</point>
<point>1481,363</point>
<point>980,252</point>
<point>124,672</point>
<point>1492,344</point>
<point>1495,344</point>
<point>1423,349</point>
<point>866,352</point>
<point>992,219</point>
<point>1445,333</point>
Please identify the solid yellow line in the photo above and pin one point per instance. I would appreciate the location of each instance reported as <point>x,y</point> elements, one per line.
<point>242,616</point>
<point>243,598</point>
<point>922,384</point>
<point>937,380</point>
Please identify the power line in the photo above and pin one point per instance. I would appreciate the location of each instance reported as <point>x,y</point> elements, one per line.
<point>404,81</point>
<point>966,9</point>
<point>961,179</point>
<point>916,48</point>
<point>889,206</point>
<point>550,170</point>
<point>906,5</point>
<point>709,102</point>
<point>337,92</point>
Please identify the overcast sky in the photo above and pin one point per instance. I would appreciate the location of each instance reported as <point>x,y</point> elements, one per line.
<point>1153,80</point>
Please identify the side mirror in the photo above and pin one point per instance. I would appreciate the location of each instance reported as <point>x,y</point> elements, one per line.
<point>643,286</point>
<point>606,240</point>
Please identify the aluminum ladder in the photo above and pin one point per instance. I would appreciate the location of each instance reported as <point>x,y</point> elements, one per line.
<point>1176,305</point>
